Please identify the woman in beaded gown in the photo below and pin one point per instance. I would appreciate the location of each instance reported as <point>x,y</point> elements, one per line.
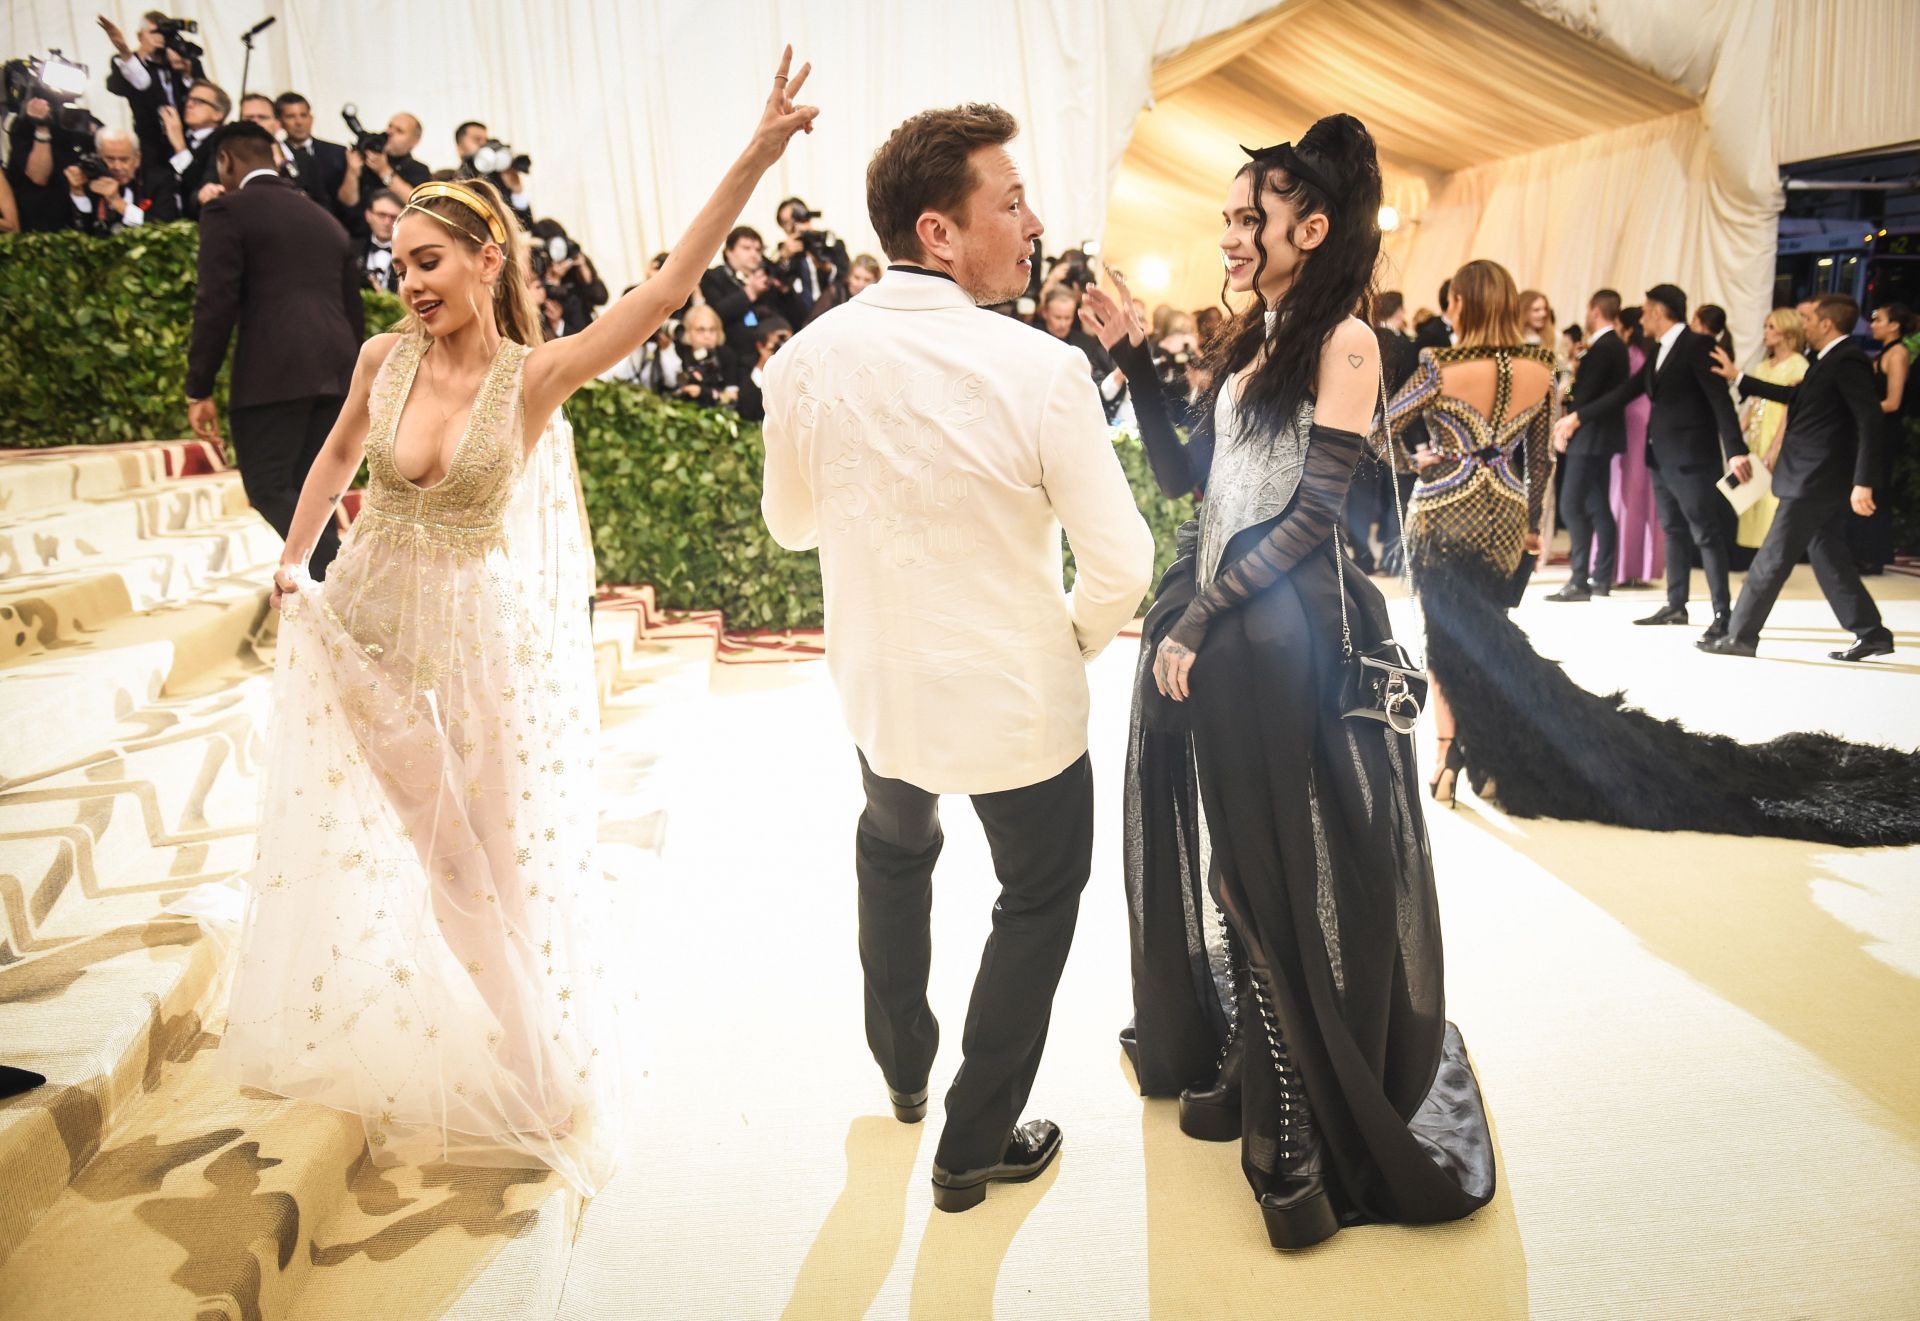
<point>1350,1093</point>
<point>1525,734</point>
<point>419,946</point>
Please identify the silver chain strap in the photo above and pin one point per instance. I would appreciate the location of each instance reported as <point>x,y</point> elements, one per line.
<point>1399,517</point>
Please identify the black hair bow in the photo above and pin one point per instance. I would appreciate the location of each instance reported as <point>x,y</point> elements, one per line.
<point>1283,155</point>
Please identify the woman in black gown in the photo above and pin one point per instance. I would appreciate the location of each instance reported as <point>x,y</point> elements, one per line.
<point>1351,1094</point>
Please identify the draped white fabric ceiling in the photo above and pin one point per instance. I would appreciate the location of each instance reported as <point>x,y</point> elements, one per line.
<point>632,110</point>
<point>1582,142</point>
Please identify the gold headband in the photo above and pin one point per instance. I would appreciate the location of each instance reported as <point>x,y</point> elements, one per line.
<point>438,188</point>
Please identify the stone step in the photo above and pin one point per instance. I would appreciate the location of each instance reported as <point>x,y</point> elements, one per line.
<point>205,1200</point>
<point>92,533</point>
<point>63,708</point>
<point>97,1015</point>
<point>40,479</point>
<point>59,608</point>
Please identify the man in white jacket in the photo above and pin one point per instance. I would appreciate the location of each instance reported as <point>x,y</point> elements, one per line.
<point>933,451</point>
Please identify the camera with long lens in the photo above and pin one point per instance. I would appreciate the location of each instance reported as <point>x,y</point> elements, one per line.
<point>367,144</point>
<point>59,82</point>
<point>173,35</point>
<point>561,248</point>
<point>818,243</point>
<point>1079,268</point>
<point>496,157</point>
<point>92,166</point>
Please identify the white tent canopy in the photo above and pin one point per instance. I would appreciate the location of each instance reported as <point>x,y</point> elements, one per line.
<point>1581,142</point>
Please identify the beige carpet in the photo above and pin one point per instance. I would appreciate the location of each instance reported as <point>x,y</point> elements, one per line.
<point>1702,1055</point>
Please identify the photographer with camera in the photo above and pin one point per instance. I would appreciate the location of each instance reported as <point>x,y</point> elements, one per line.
<point>483,156</point>
<point>768,337</point>
<point>189,136</point>
<point>809,261</point>
<point>742,290</point>
<point>156,70</point>
<point>380,160</point>
<point>707,371</point>
<point>34,151</point>
<point>570,276</point>
<point>103,185</point>
<point>317,168</point>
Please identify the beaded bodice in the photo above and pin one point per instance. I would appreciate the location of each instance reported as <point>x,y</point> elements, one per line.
<point>466,506</point>
<point>1252,478</point>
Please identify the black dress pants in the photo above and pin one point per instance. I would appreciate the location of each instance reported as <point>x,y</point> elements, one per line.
<point>1042,842</point>
<point>1687,505</point>
<point>276,444</point>
<point>1587,505</point>
<point>1363,510</point>
<point>1816,527</point>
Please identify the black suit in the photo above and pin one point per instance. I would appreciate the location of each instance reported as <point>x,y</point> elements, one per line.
<point>318,169</point>
<point>1692,434</point>
<point>1831,445</point>
<point>1434,334</point>
<point>377,274</point>
<point>1586,497</point>
<point>200,171</point>
<point>738,313</point>
<point>164,87</point>
<point>279,267</point>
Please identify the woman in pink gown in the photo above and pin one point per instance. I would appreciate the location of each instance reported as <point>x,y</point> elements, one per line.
<point>1642,558</point>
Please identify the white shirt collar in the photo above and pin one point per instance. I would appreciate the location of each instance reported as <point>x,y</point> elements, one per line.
<point>1830,343</point>
<point>1673,333</point>
<point>1604,330</point>
<point>262,172</point>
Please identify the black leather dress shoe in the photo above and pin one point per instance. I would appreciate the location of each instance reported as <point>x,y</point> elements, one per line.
<point>1029,1151</point>
<point>1571,592</point>
<point>1864,648</point>
<point>1717,629</point>
<point>908,1107</point>
<point>1726,645</point>
<point>1600,589</point>
<point>1666,614</point>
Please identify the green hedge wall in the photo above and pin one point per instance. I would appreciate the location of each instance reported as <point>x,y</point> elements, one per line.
<point>94,348</point>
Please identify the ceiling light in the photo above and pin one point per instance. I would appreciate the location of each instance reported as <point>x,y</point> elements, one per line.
<point>1824,261</point>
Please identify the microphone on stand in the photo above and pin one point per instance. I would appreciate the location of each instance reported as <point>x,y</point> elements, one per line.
<point>246,39</point>
<point>258,28</point>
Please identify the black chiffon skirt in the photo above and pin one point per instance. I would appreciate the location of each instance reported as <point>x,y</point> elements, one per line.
<point>1309,828</point>
<point>1542,746</point>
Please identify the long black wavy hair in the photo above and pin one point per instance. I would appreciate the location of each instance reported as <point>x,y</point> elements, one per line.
<point>1334,282</point>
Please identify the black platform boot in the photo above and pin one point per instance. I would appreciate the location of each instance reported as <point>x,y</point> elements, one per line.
<point>1212,1113</point>
<point>1297,1209</point>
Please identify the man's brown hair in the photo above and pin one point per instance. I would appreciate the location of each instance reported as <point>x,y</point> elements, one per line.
<point>1840,311</point>
<point>924,166</point>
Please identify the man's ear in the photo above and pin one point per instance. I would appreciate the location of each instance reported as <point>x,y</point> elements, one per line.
<point>935,233</point>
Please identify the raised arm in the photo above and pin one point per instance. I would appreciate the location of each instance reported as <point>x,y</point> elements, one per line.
<point>1344,404</point>
<point>1180,469</point>
<point>559,367</point>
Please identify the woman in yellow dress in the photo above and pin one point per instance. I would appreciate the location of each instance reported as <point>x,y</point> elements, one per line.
<point>1784,336</point>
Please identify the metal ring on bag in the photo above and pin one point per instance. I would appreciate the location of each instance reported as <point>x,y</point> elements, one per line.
<point>1402,712</point>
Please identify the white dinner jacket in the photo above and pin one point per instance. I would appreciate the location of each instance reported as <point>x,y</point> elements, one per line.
<point>933,451</point>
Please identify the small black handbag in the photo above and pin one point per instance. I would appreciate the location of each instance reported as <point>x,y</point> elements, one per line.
<point>1380,682</point>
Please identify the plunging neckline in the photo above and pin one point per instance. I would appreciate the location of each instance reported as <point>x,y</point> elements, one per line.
<point>466,427</point>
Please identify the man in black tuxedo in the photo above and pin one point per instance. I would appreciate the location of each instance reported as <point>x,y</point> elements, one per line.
<point>1693,435</point>
<point>1437,333</point>
<point>149,75</point>
<point>189,133</point>
<point>280,267</point>
<point>1828,464</point>
<point>741,292</point>
<point>373,250</point>
<point>1586,496</point>
<point>317,168</point>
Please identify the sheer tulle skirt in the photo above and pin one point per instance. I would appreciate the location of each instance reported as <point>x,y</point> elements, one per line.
<point>419,940</point>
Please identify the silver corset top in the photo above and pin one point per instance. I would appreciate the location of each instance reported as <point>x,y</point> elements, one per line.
<point>1252,479</point>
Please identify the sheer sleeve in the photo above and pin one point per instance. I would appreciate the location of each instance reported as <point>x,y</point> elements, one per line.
<point>1408,403</point>
<point>1179,468</point>
<point>1306,523</point>
<point>1540,460</point>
